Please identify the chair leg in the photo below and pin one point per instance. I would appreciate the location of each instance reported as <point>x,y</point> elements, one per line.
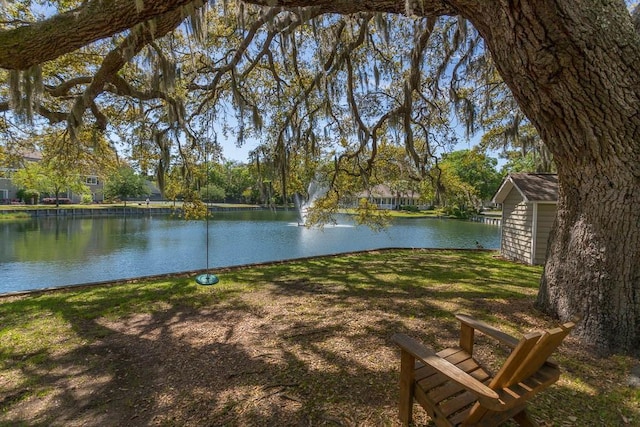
<point>523,419</point>
<point>407,362</point>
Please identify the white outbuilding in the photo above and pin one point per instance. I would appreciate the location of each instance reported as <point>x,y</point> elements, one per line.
<point>529,204</point>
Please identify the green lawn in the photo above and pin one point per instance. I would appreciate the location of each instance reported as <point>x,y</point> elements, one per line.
<point>302,342</point>
<point>131,204</point>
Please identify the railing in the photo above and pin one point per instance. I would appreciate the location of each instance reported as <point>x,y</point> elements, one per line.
<point>487,220</point>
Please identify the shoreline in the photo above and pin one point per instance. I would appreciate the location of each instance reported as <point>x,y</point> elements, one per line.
<point>40,211</point>
<point>218,270</point>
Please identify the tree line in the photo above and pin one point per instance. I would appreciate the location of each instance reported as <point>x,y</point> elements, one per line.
<point>464,181</point>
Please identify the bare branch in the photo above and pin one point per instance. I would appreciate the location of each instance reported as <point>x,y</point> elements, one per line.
<point>52,116</point>
<point>65,87</point>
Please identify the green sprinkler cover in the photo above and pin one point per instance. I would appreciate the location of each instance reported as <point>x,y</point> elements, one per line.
<point>207,279</point>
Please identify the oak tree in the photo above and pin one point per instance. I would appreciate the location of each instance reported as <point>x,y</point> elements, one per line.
<point>124,184</point>
<point>573,69</point>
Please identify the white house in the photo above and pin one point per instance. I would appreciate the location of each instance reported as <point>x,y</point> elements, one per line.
<point>383,197</point>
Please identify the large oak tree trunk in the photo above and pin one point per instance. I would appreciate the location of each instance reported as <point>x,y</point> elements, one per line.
<point>593,265</point>
<point>575,73</point>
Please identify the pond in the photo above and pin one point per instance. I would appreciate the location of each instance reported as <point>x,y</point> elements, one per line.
<point>59,251</point>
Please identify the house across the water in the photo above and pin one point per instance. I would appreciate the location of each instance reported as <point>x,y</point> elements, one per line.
<point>385,198</point>
<point>9,192</point>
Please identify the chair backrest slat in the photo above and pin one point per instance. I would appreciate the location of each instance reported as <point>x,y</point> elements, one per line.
<point>543,349</point>
<point>530,354</point>
<point>526,359</point>
<point>517,357</point>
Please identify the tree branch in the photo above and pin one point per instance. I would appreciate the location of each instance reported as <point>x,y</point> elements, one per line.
<point>118,57</point>
<point>63,88</point>
<point>347,7</point>
<point>28,45</point>
<point>52,116</point>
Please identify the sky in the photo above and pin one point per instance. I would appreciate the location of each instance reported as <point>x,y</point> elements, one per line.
<point>239,154</point>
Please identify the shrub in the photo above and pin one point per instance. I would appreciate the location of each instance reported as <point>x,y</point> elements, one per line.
<point>28,196</point>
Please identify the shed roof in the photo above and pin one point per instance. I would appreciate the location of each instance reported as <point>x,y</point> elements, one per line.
<point>533,187</point>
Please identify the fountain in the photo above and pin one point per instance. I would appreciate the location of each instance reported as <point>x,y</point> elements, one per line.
<point>314,190</point>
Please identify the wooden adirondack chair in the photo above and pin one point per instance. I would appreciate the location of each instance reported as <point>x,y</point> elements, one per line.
<point>456,390</point>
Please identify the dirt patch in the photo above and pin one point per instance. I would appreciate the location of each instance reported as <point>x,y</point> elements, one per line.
<point>285,353</point>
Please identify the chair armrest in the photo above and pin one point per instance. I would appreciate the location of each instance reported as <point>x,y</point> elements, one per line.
<point>487,397</point>
<point>488,330</point>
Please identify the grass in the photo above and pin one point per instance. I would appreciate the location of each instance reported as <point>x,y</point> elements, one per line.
<point>14,216</point>
<point>131,204</point>
<point>301,342</point>
<point>401,214</point>
<point>417,214</point>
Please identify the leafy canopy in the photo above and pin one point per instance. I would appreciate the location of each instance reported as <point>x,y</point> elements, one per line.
<point>321,92</point>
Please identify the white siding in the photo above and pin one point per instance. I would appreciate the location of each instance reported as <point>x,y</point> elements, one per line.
<point>546,217</point>
<point>516,228</point>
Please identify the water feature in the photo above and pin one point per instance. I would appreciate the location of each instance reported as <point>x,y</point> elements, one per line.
<point>314,190</point>
<point>49,252</point>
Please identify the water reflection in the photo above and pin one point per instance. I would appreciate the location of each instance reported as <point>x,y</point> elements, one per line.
<point>49,252</point>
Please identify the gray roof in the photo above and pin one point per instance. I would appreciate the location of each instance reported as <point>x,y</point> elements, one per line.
<point>533,187</point>
<point>379,190</point>
<point>384,191</point>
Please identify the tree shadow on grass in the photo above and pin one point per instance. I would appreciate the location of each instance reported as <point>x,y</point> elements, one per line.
<point>289,344</point>
<point>227,363</point>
